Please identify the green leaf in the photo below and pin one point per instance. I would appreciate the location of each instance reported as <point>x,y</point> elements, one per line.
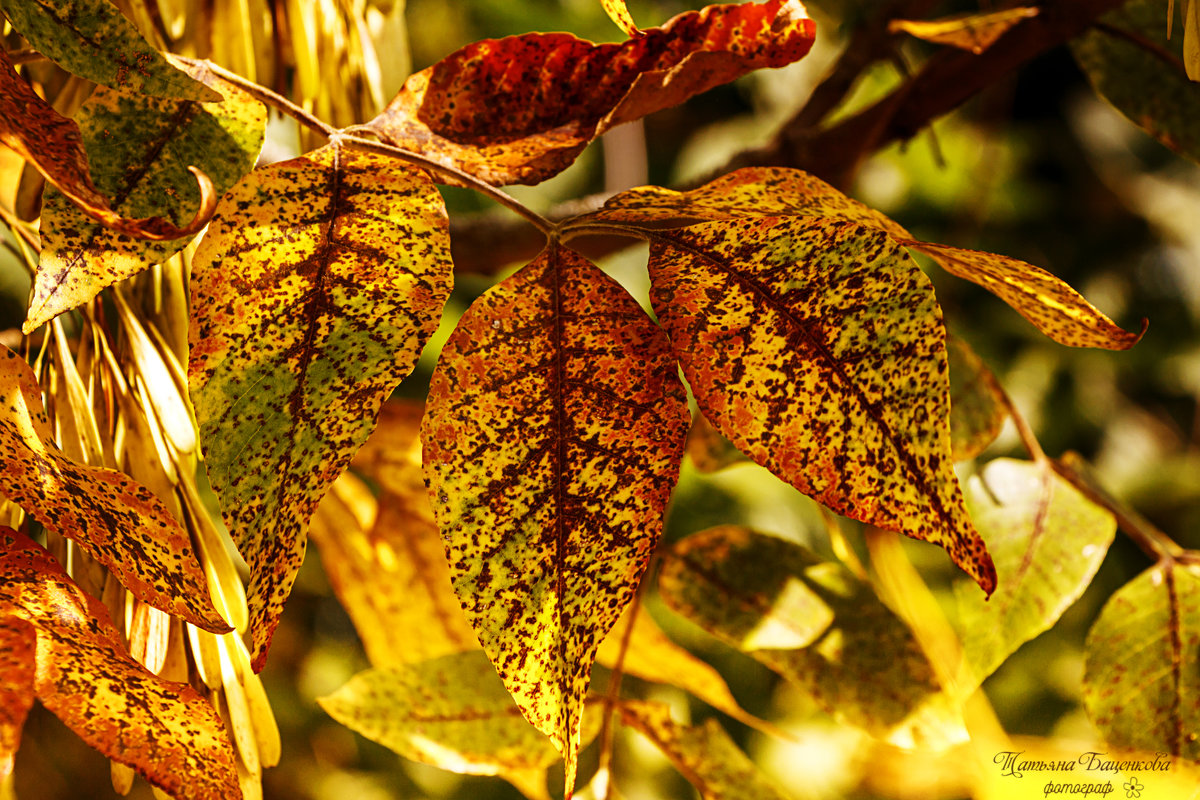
<point>704,754</point>
<point>810,620</point>
<point>316,287</point>
<point>554,430</point>
<point>1140,683</point>
<point>1047,539</point>
<point>140,149</point>
<point>93,40</point>
<point>1148,84</point>
<point>113,518</point>
<point>977,408</point>
<point>18,666</point>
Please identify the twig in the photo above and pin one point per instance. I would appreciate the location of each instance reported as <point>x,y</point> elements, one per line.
<point>264,95</point>
<point>1028,438</point>
<point>614,687</point>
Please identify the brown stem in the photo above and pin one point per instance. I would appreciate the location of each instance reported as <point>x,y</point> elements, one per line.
<point>266,96</point>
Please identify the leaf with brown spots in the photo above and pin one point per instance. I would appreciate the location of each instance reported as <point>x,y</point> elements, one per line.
<point>164,730</point>
<point>520,109</point>
<point>973,32</point>
<point>313,293</point>
<point>92,39</point>
<point>116,520</point>
<point>552,439</point>
<point>618,12</point>
<point>53,144</point>
<point>977,406</point>
<point>704,754</point>
<point>17,667</point>
<point>1140,683</point>
<point>140,149</point>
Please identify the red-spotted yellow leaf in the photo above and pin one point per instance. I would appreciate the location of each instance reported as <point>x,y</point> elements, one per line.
<point>704,754</point>
<point>140,149</point>
<point>1140,684</point>
<point>974,32</point>
<point>618,12</point>
<point>552,439</point>
<point>808,619</point>
<point>1047,540</point>
<point>817,347</point>
<point>520,109</point>
<point>977,409</point>
<point>17,667</point>
<point>164,730</point>
<point>313,292</point>
<point>53,145</point>
<point>93,40</point>
<point>116,520</point>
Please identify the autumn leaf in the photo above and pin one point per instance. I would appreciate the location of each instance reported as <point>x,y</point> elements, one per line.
<point>977,406</point>
<point>618,12</point>
<point>164,730</point>
<point>520,109</point>
<point>553,434</point>
<point>708,449</point>
<point>17,667</point>
<point>1140,685</point>
<point>704,754</point>
<point>140,149</point>
<point>810,620</point>
<point>342,269</point>
<point>973,32</point>
<point>116,520</point>
<point>1047,540</point>
<point>53,145</point>
<point>92,39</point>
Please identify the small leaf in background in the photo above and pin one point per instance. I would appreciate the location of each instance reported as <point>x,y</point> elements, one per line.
<point>810,620</point>
<point>85,677</point>
<point>54,146</point>
<point>92,39</point>
<point>18,665</point>
<point>817,347</point>
<point>342,270</point>
<point>117,521</point>
<point>704,754</point>
<point>1152,91</point>
<point>1191,40</point>
<point>709,450</point>
<point>973,32</point>
<point>140,149</point>
<point>977,409</point>
<point>1140,684</point>
<point>1047,540</point>
<point>552,439</point>
<point>618,12</point>
<point>520,109</point>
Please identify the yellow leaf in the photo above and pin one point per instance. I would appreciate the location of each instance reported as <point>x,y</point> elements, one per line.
<point>974,32</point>
<point>618,12</point>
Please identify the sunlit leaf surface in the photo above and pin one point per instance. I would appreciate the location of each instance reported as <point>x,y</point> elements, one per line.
<point>974,32</point>
<point>553,436</point>
<point>117,521</point>
<point>313,293</point>
<point>18,663</point>
<point>618,12</point>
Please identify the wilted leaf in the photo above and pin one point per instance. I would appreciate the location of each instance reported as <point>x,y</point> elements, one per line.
<point>817,347</point>
<point>520,109</point>
<point>117,521</point>
<point>164,730</point>
<point>973,32</point>
<point>53,145</point>
<point>1191,40</point>
<point>1147,84</point>
<point>709,450</point>
<point>1140,683</point>
<point>703,754</point>
<point>17,667</point>
<point>1047,540</point>
<point>553,435</point>
<point>140,149</point>
<point>977,410</point>
<point>313,293</point>
<point>92,39</point>
<point>810,620</point>
<point>618,12</point>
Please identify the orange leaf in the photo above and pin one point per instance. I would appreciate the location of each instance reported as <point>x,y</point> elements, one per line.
<point>116,520</point>
<point>164,730</point>
<point>520,109</point>
<point>553,435</point>
<point>618,12</point>
<point>52,143</point>
<point>973,32</point>
<point>17,667</point>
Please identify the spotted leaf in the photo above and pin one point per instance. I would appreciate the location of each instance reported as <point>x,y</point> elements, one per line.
<point>618,12</point>
<point>553,435</point>
<point>1140,684</point>
<point>116,520</point>
<point>140,149</point>
<point>313,293</point>
<point>17,667</point>
<point>53,145</point>
<point>977,409</point>
<point>816,345</point>
<point>164,730</point>
<point>93,40</point>
<point>974,32</point>
<point>520,109</point>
